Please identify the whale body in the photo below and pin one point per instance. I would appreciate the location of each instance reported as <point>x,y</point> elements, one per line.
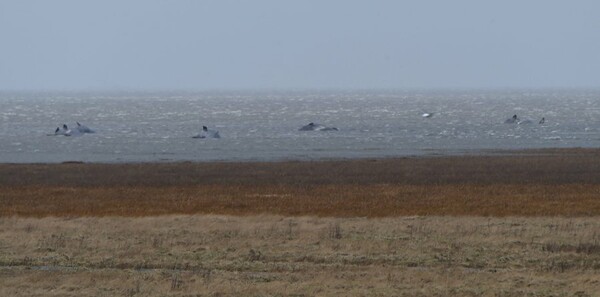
<point>206,133</point>
<point>317,127</point>
<point>525,122</point>
<point>84,129</point>
<point>65,131</point>
<point>513,120</point>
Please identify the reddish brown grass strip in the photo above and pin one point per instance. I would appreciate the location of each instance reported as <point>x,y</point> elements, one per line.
<point>547,183</point>
<point>322,200</point>
<point>547,167</point>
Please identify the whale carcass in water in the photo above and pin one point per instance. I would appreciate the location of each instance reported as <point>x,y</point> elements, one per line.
<point>206,133</point>
<point>525,122</point>
<point>317,127</point>
<point>65,131</point>
<point>84,129</point>
<point>513,120</point>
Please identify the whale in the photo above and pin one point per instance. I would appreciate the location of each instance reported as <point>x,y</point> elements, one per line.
<point>207,133</point>
<point>56,132</point>
<point>513,120</point>
<point>66,131</point>
<point>525,122</point>
<point>317,127</point>
<point>84,129</point>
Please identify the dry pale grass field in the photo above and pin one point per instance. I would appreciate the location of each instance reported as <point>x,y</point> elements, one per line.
<point>205,255</point>
<point>516,224</point>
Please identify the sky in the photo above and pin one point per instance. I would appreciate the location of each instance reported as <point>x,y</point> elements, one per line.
<point>308,44</point>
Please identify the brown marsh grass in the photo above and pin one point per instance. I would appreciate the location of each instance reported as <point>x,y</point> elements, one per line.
<point>299,228</point>
<point>324,200</point>
<point>205,255</point>
<point>530,183</point>
<point>557,166</point>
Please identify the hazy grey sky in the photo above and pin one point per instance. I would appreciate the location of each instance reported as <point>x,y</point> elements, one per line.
<point>266,44</point>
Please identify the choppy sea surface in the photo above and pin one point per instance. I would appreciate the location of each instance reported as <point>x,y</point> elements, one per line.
<point>148,127</point>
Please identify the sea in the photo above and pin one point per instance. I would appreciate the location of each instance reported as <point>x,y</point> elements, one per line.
<point>264,125</point>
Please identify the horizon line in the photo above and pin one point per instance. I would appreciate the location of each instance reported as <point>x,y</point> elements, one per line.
<point>299,89</point>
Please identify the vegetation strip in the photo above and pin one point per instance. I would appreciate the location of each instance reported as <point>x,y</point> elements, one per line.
<point>326,200</point>
<point>531,183</point>
<point>291,256</point>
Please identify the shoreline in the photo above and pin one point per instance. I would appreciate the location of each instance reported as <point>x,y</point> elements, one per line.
<point>425,153</point>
